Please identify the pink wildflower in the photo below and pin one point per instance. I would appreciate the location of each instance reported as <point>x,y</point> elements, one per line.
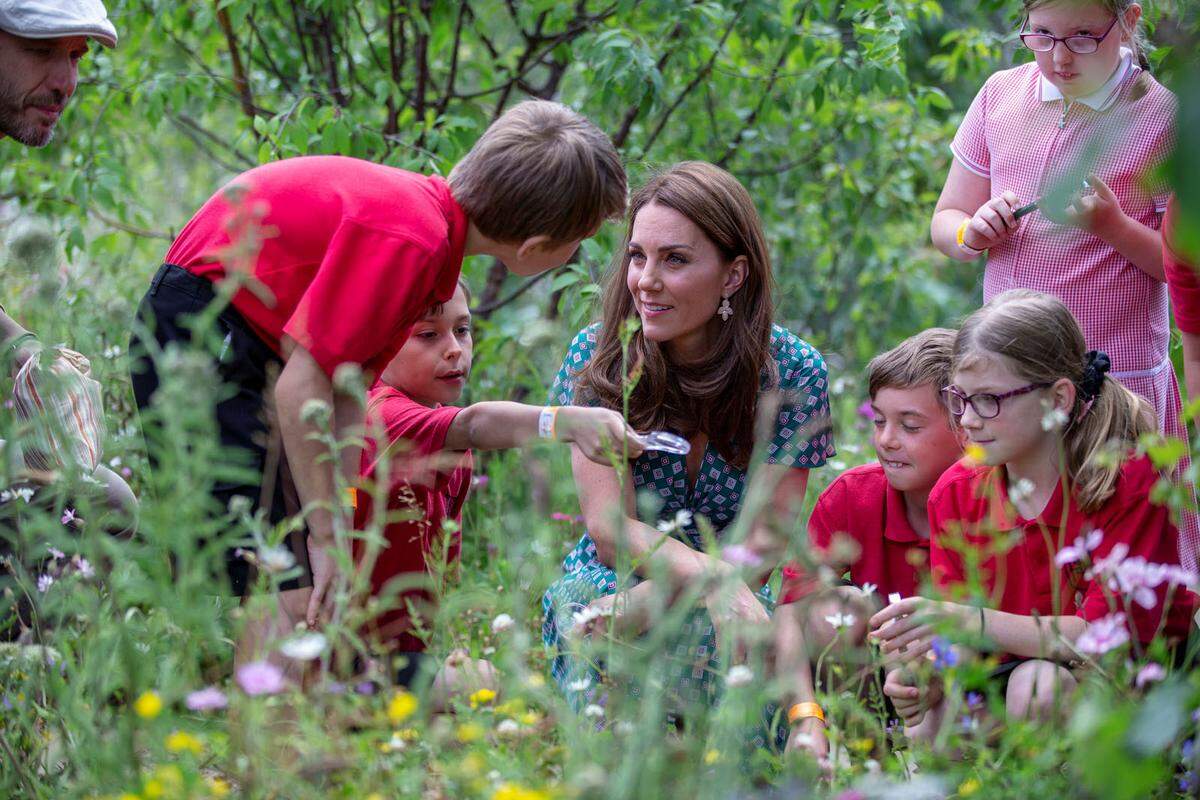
<point>866,411</point>
<point>68,516</point>
<point>44,582</point>
<point>82,566</point>
<point>1148,674</point>
<point>1080,550</point>
<point>260,677</point>
<point>207,699</point>
<point>741,556</point>
<point>1103,635</point>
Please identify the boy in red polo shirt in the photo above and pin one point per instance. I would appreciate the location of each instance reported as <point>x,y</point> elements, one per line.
<point>427,444</point>
<point>1066,573</point>
<point>335,259</point>
<point>870,522</point>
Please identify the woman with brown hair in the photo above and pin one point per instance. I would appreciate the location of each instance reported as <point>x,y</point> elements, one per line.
<point>704,362</point>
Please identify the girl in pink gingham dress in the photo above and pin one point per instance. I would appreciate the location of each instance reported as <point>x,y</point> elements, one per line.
<point>1027,131</point>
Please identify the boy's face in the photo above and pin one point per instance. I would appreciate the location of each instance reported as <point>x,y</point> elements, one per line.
<point>913,438</point>
<point>433,365</point>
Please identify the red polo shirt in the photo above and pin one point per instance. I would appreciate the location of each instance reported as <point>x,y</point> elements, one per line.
<point>1024,580</point>
<point>1182,282</point>
<point>349,253</point>
<point>863,505</point>
<point>426,486</point>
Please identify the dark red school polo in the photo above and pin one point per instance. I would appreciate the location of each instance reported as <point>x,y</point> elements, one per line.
<point>427,486</point>
<point>350,253</point>
<point>1024,580</point>
<point>1182,282</point>
<point>863,505</point>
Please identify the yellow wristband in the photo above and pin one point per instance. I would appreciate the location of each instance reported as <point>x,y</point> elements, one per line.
<point>352,497</point>
<point>804,711</point>
<point>960,237</point>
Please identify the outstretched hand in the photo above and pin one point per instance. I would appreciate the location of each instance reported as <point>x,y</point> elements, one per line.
<point>597,432</point>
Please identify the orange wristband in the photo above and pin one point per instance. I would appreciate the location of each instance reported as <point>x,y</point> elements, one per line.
<point>804,710</point>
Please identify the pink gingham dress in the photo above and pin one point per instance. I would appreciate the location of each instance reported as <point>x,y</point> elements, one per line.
<point>1022,135</point>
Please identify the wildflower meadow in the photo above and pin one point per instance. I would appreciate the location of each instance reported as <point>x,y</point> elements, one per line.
<point>117,666</point>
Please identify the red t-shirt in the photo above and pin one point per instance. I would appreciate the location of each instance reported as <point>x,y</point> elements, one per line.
<point>425,484</point>
<point>862,504</point>
<point>1182,282</point>
<point>351,253</point>
<point>1024,580</point>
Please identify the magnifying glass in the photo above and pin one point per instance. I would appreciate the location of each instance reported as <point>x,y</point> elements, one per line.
<point>665,442</point>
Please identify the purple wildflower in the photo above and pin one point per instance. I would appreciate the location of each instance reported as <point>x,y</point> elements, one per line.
<point>1188,749</point>
<point>866,411</point>
<point>1080,550</point>
<point>479,482</point>
<point>944,656</point>
<point>260,677</point>
<point>365,687</point>
<point>44,582</point>
<point>55,553</point>
<point>68,516</point>
<point>82,567</point>
<point>207,699</point>
<point>126,472</point>
<point>974,700</point>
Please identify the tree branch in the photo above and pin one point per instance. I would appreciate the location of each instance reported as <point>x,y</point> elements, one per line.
<point>240,82</point>
<point>485,309</point>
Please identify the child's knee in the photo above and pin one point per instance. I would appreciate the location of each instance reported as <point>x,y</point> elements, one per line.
<point>1037,690</point>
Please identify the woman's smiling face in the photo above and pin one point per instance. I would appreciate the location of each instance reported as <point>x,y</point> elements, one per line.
<point>677,277</point>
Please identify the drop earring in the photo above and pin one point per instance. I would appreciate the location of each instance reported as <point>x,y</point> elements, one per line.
<point>726,310</point>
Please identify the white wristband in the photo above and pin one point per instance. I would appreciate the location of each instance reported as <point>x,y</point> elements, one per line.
<point>546,422</point>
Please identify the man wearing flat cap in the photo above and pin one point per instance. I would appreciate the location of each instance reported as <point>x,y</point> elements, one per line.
<point>41,42</point>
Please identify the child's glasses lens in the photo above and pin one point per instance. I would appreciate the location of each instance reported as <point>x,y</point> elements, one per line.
<point>1038,43</point>
<point>986,405</point>
<point>1081,45</point>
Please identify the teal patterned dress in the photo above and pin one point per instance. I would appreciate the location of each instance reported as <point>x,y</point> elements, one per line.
<point>802,440</point>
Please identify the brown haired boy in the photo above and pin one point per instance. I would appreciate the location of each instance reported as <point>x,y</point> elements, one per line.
<point>870,522</point>
<point>342,256</point>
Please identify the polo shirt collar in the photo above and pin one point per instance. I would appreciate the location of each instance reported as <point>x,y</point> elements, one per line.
<point>1098,100</point>
<point>1004,513</point>
<point>896,527</point>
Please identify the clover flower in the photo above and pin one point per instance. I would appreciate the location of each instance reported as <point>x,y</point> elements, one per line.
<point>260,677</point>
<point>210,698</point>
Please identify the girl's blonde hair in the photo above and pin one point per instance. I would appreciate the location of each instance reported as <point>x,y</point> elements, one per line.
<point>1041,342</point>
<point>1136,36</point>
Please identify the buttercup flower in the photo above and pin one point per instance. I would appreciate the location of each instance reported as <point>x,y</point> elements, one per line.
<point>481,697</point>
<point>402,706</point>
<point>148,705</point>
<point>178,741</point>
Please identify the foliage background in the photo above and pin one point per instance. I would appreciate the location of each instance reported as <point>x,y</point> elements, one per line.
<point>836,114</point>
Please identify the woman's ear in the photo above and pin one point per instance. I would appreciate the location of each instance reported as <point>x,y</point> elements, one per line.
<point>736,276</point>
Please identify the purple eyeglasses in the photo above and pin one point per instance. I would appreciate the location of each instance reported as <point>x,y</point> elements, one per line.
<point>986,405</point>
<point>1079,44</point>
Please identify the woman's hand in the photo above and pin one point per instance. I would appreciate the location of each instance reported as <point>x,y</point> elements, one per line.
<point>906,627</point>
<point>736,615</point>
<point>808,736</point>
<point>597,432</point>
<point>993,222</point>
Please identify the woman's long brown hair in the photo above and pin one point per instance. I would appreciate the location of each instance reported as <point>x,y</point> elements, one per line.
<point>719,395</point>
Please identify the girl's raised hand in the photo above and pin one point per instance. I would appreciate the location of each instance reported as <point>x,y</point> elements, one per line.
<point>993,222</point>
<point>1095,213</point>
<point>597,432</point>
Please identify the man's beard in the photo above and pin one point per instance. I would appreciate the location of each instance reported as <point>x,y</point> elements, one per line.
<point>13,123</point>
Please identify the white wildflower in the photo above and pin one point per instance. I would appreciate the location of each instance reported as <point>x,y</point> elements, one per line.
<point>276,558</point>
<point>869,588</point>
<point>594,711</point>
<point>502,622</point>
<point>739,675</point>
<point>305,647</point>
<point>840,620</point>
<point>580,685</point>
<point>508,727</point>
<point>1054,419</point>
<point>1021,490</point>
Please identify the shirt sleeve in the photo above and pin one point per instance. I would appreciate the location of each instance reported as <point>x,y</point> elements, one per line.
<point>580,352</point>
<point>413,439</point>
<point>798,582</point>
<point>367,291</point>
<point>803,436</point>
<point>945,521</point>
<point>970,143</point>
<point>1182,282</point>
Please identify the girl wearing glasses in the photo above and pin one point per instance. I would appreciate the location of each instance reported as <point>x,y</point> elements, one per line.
<point>1057,516</point>
<point>1086,108</point>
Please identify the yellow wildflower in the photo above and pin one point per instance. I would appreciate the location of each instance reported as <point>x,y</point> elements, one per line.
<point>712,756</point>
<point>402,706</point>
<point>511,707</point>
<point>469,732</point>
<point>128,796</point>
<point>535,680</point>
<point>531,718</point>
<point>218,787</point>
<point>148,705</point>
<point>179,741</point>
<point>482,697</point>
<point>968,787</point>
<point>974,453</point>
<point>513,791</point>
<point>472,764</point>
<point>864,745</point>
<point>153,789</point>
